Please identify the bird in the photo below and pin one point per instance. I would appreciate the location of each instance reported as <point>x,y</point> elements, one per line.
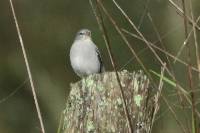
<point>85,57</point>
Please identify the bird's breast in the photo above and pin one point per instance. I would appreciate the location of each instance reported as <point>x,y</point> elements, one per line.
<point>84,57</point>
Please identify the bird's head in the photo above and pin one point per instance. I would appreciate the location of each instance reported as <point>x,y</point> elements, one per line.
<point>83,34</point>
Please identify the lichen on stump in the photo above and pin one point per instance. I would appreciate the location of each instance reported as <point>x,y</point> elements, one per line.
<point>95,105</point>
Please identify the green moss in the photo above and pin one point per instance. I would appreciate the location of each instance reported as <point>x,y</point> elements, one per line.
<point>118,103</point>
<point>100,88</point>
<point>89,82</point>
<point>90,126</point>
<point>138,99</point>
<point>96,102</point>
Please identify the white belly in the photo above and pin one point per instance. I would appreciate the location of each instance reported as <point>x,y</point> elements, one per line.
<point>84,59</point>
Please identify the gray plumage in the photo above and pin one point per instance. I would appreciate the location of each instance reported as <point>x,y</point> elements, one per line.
<point>84,55</point>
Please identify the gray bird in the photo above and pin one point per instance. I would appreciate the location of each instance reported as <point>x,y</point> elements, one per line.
<point>84,55</point>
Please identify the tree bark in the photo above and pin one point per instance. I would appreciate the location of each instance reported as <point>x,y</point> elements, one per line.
<point>95,105</point>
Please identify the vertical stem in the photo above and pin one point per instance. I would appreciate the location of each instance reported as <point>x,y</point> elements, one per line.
<point>27,67</point>
<point>189,69</point>
<point>194,120</point>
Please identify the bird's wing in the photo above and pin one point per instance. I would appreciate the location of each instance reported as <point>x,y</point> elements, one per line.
<point>102,69</point>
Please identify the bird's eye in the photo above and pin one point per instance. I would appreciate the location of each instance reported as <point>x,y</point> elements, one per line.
<point>81,33</point>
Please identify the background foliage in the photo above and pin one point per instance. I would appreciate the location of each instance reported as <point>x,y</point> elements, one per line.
<point>48,28</point>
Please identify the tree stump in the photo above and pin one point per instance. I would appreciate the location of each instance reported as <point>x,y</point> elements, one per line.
<point>95,104</point>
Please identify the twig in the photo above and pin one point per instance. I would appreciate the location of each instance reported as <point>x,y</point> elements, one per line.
<point>157,96</point>
<point>27,67</point>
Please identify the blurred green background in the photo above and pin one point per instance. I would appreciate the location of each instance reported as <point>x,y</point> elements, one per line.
<point>48,28</point>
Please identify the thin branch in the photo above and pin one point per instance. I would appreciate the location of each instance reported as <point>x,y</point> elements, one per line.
<point>27,67</point>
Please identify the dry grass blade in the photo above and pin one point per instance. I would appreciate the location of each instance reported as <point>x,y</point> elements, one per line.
<point>158,95</point>
<point>28,68</point>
